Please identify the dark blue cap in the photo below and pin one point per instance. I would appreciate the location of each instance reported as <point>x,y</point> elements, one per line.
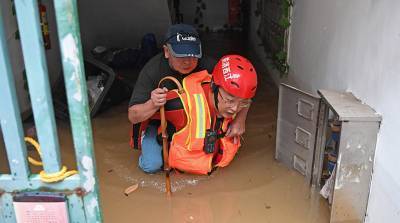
<point>183,41</point>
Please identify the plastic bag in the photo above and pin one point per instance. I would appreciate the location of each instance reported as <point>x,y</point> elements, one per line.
<point>95,86</point>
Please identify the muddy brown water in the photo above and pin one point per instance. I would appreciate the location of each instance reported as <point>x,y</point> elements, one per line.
<point>254,188</point>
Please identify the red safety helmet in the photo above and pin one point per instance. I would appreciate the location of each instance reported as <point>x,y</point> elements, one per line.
<point>236,75</point>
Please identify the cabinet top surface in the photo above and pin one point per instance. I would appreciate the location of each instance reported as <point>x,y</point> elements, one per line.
<point>348,107</point>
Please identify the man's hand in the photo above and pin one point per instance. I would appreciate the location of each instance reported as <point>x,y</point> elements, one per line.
<point>140,112</point>
<point>159,96</point>
<point>238,126</point>
<point>236,129</point>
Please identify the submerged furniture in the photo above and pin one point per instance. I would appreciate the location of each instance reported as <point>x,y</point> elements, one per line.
<point>99,79</point>
<point>301,139</point>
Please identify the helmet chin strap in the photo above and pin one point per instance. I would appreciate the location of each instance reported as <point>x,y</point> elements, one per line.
<point>215,90</point>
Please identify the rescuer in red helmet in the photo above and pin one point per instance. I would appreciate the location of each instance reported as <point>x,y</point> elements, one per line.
<point>235,80</point>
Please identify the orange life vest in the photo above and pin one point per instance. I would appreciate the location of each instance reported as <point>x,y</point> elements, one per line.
<point>186,149</point>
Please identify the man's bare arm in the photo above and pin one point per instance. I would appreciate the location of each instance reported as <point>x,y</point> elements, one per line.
<point>140,112</point>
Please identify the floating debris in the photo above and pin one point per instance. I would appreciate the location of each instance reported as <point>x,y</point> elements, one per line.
<point>130,189</point>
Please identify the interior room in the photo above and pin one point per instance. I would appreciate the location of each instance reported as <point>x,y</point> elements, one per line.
<point>320,135</point>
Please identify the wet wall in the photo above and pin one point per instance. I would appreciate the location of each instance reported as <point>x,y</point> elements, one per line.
<point>355,46</point>
<point>121,23</point>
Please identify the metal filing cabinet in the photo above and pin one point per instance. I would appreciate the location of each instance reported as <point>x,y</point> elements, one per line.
<point>302,129</point>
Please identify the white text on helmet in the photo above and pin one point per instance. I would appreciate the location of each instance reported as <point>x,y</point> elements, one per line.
<point>226,70</point>
<point>225,59</point>
<point>231,76</point>
<point>225,66</point>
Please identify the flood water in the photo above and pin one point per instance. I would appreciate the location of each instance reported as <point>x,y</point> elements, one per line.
<point>254,188</point>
